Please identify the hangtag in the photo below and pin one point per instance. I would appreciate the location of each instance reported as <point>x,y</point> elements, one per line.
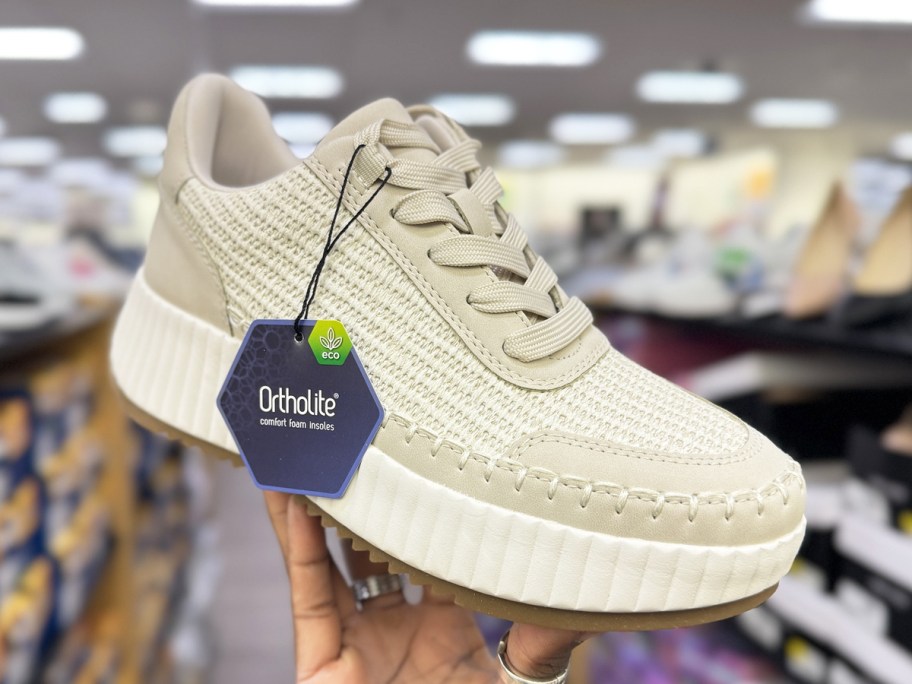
<point>301,413</point>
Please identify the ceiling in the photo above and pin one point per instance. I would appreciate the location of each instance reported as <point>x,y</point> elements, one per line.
<point>139,53</point>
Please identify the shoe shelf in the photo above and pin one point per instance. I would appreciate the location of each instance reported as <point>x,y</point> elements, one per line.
<point>25,343</point>
<point>100,519</point>
<point>893,339</point>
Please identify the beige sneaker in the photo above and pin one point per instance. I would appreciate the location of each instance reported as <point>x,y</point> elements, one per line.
<point>523,465</point>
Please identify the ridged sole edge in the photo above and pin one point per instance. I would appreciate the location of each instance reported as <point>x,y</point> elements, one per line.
<point>477,601</point>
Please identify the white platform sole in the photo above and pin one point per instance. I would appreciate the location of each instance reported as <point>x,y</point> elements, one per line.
<point>171,366</point>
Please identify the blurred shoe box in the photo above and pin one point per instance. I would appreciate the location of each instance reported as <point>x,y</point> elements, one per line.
<point>819,641</point>
<point>818,563</point>
<point>25,621</point>
<point>16,431</point>
<point>875,585</point>
<point>20,534</point>
<point>884,488</point>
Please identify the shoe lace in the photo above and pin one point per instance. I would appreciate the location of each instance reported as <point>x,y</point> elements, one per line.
<point>489,236</point>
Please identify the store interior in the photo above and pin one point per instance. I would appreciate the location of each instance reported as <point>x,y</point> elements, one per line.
<point>728,186</point>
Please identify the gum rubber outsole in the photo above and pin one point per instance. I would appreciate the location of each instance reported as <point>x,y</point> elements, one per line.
<point>473,600</point>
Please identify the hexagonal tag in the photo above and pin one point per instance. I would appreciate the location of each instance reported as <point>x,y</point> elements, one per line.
<point>329,342</point>
<point>301,413</point>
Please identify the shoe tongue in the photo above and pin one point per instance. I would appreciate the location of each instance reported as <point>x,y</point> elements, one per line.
<point>386,108</point>
<point>439,130</point>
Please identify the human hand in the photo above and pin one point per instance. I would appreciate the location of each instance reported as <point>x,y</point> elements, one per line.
<point>390,640</point>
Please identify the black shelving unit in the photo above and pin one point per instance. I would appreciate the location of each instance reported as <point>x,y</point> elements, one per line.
<point>16,345</point>
<point>893,339</point>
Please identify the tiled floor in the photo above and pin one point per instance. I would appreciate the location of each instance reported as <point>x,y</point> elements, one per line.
<point>251,612</point>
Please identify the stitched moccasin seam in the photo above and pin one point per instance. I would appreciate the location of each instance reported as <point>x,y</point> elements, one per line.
<point>588,488</point>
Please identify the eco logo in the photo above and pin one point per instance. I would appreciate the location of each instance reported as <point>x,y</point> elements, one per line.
<point>330,343</point>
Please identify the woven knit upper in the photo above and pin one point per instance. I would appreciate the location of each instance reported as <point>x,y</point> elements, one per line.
<point>266,240</point>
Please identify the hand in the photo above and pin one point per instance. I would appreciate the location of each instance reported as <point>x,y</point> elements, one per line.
<point>390,640</point>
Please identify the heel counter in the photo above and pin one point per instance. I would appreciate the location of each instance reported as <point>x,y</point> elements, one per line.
<point>179,269</point>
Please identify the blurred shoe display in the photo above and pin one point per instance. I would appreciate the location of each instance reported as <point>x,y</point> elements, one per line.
<point>875,583</point>
<point>21,517</point>
<point>635,290</point>
<point>77,266</point>
<point>602,239</point>
<point>898,437</point>
<point>777,257</point>
<point>819,277</point>
<point>25,619</point>
<point>15,441</point>
<point>682,284</point>
<point>28,298</point>
<point>881,489</point>
<point>694,294</point>
<point>80,551</point>
<point>818,562</point>
<point>882,288</point>
<point>816,625</point>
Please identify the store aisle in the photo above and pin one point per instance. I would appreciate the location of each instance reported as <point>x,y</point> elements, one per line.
<point>251,616</point>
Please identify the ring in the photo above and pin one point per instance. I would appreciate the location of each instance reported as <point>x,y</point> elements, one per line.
<point>517,678</point>
<point>375,585</point>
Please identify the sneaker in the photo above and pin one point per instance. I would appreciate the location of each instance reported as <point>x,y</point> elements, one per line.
<point>820,271</point>
<point>882,287</point>
<point>27,300</point>
<point>523,465</point>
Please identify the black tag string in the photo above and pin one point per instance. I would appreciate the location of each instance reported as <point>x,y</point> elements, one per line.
<point>332,239</point>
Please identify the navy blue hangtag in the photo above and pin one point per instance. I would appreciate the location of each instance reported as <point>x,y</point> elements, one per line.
<point>301,412</point>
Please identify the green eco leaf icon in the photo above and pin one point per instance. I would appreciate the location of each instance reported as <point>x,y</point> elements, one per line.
<point>331,341</point>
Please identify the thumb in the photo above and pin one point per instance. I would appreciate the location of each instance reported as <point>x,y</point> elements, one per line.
<point>541,652</point>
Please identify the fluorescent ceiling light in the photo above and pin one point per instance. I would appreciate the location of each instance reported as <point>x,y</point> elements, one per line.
<point>591,129</point>
<point>479,109</point>
<point>680,142</point>
<point>75,107</point>
<point>10,179</point>
<point>861,11</point>
<point>40,43</point>
<point>690,87</point>
<point>135,141</point>
<point>289,82</point>
<point>901,147</point>
<point>301,127</point>
<point>28,151</point>
<point>527,154</point>
<point>533,48</point>
<point>148,166</point>
<point>636,157</point>
<point>83,171</point>
<point>275,4</point>
<point>781,113</point>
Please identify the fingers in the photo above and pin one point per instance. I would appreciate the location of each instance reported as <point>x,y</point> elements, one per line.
<point>311,574</point>
<point>277,506</point>
<point>431,598</point>
<point>360,566</point>
<point>541,652</point>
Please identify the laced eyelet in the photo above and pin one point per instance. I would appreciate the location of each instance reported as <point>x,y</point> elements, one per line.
<point>393,213</point>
